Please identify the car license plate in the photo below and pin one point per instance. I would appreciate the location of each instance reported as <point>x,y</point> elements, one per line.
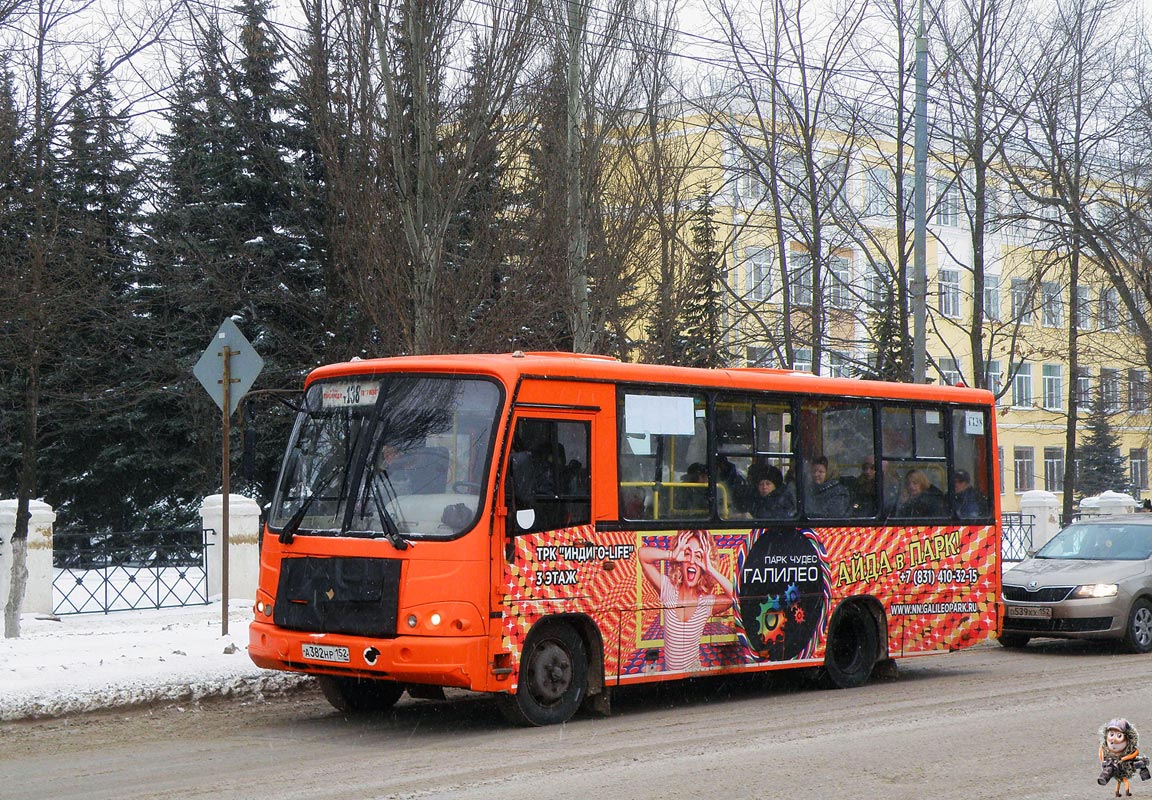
<point>325,652</point>
<point>1030,612</point>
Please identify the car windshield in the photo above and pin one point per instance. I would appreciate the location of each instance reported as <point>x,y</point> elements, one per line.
<point>1119,542</point>
<point>388,455</point>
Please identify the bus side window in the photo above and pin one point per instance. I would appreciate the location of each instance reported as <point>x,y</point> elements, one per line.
<point>549,473</point>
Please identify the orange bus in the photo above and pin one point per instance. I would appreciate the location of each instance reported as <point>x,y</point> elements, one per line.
<point>548,526</point>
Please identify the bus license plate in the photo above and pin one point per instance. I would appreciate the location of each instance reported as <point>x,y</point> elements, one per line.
<point>325,652</point>
<point>1031,612</point>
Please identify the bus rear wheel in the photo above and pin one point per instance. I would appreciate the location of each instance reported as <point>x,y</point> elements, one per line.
<point>553,677</point>
<point>853,645</point>
<point>359,695</point>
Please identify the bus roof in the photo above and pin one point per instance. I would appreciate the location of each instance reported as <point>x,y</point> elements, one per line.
<point>510,367</point>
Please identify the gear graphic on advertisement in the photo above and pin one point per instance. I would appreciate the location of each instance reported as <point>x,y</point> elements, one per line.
<point>770,619</point>
<point>798,615</point>
<point>791,594</point>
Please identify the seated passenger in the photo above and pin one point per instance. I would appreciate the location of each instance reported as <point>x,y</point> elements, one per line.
<point>772,500</point>
<point>970,504</point>
<point>920,497</point>
<point>862,500</point>
<point>695,498</point>
<point>824,497</point>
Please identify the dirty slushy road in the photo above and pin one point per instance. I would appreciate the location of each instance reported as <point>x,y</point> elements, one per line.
<point>984,723</point>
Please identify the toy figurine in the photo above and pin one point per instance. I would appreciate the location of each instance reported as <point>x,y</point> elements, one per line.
<point>1119,756</point>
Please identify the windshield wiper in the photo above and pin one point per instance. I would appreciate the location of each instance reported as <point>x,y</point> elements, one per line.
<point>380,500</point>
<point>288,532</point>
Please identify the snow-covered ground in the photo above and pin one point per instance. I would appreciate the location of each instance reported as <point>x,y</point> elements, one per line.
<point>84,662</point>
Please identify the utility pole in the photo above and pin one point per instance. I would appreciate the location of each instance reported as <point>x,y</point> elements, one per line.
<point>920,252</point>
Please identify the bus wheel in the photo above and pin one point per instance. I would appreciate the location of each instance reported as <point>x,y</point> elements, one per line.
<point>852,648</point>
<point>553,677</point>
<point>359,696</point>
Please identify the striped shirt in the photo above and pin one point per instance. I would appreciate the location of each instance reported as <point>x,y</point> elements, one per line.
<point>682,639</point>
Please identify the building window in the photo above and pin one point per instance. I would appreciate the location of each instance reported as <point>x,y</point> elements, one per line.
<point>1109,309</point>
<point>1137,391</point>
<point>800,278</point>
<point>1023,462</point>
<point>1083,388</point>
<point>840,277</point>
<point>876,286</point>
<point>878,192</point>
<point>1052,308</point>
<point>1138,467</point>
<point>758,271</point>
<point>994,378</point>
<point>802,360</point>
<point>839,365</point>
<point>992,296</point>
<point>1021,296</point>
<point>1082,307</point>
<point>1053,380</point>
<point>1022,385</point>
<point>950,292</point>
<point>1000,467</point>
<point>1054,469</point>
<point>947,203</point>
<point>1110,390</point>
<point>950,371</point>
<point>749,186</point>
<point>760,356</point>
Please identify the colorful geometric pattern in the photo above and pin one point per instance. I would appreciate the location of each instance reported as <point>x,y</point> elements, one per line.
<point>938,586</point>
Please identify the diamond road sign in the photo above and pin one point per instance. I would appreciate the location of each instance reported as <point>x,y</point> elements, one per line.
<point>244,364</point>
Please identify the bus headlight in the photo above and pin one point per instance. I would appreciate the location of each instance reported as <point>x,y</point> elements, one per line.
<point>1092,590</point>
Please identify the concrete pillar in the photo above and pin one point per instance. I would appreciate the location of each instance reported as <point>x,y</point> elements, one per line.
<point>1116,503</point>
<point>1044,507</point>
<point>243,540</point>
<point>38,593</point>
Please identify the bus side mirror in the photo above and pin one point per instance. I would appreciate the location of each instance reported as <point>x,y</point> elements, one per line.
<point>525,518</point>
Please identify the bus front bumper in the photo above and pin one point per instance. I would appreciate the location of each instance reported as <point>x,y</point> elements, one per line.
<point>455,661</point>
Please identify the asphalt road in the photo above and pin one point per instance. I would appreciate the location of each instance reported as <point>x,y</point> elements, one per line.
<point>983,723</point>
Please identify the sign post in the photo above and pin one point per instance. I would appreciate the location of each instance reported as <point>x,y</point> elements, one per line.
<point>227,369</point>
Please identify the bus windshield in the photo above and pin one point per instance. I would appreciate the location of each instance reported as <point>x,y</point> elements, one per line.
<point>388,455</point>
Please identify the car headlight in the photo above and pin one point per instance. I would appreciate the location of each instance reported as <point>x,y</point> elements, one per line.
<point>1090,590</point>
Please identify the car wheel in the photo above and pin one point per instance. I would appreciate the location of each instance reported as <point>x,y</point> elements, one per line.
<point>1014,641</point>
<point>359,696</point>
<point>852,648</point>
<point>553,677</point>
<point>1138,636</point>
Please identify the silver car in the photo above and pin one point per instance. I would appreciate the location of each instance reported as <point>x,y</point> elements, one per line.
<point>1093,580</point>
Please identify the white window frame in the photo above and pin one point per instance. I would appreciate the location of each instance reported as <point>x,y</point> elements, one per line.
<point>1052,305</point>
<point>992,308</point>
<point>1022,396</point>
<point>758,272</point>
<point>1053,386</point>
<point>840,282</point>
<point>949,286</point>
<point>1024,468</point>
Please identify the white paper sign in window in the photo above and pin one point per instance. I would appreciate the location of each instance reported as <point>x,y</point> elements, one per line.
<point>659,414</point>
<point>974,423</point>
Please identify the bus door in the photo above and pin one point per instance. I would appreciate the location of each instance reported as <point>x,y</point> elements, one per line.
<point>554,563</point>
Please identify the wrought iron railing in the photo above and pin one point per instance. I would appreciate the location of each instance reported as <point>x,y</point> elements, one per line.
<point>1017,531</point>
<point>121,571</point>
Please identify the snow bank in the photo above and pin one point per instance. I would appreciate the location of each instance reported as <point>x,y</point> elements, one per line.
<point>86,662</point>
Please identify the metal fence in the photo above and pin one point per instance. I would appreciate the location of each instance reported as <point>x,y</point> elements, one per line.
<point>1017,539</point>
<point>122,571</point>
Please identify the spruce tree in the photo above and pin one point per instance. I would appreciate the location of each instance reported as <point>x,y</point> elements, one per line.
<point>702,342</point>
<point>1101,464</point>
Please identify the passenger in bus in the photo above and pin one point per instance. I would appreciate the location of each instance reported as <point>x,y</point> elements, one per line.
<point>970,504</point>
<point>772,500</point>
<point>862,499</point>
<point>920,497</point>
<point>727,474</point>
<point>824,496</point>
<point>695,498</point>
<point>688,596</point>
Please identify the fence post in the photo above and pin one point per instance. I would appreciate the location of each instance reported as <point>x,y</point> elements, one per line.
<point>1045,510</point>
<point>38,593</point>
<point>243,539</point>
<point>1116,503</point>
